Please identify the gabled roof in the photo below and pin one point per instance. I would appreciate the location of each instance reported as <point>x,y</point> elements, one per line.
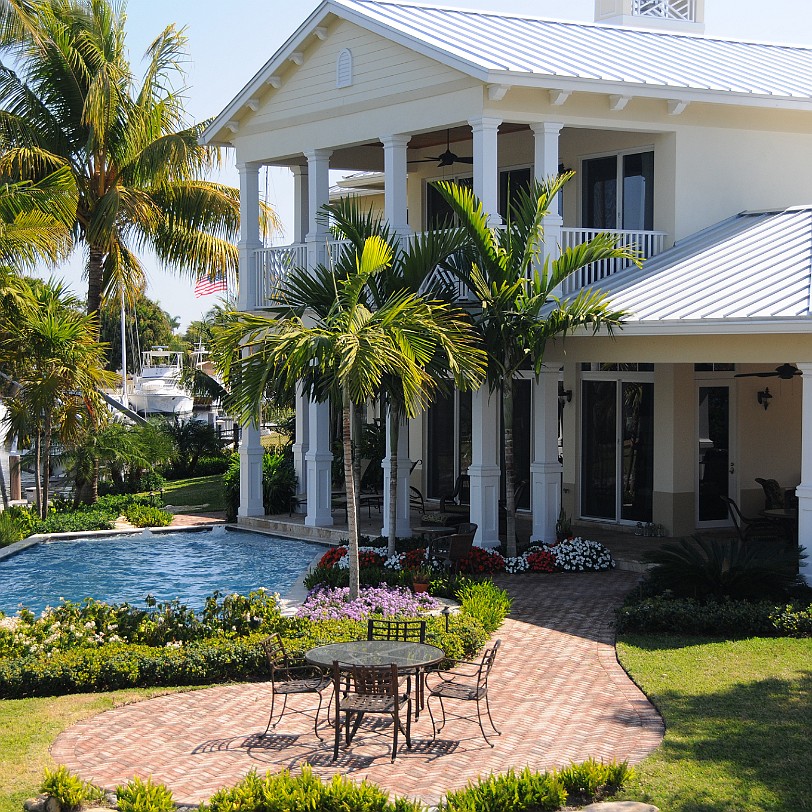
<point>756,265</point>
<point>510,49</point>
<point>603,53</point>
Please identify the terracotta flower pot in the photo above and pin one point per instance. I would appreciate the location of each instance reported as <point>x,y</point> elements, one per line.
<point>420,586</point>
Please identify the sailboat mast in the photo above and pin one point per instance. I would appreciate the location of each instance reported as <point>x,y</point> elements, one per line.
<point>123,353</point>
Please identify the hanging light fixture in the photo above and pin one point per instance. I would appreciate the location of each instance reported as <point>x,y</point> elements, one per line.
<point>764,397</point>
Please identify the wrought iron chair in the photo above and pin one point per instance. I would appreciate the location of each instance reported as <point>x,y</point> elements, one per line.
<point>751,528</point>
<point>452,549</point>
<point>287,679</point>
<point>362,690</point>
<point>467,681</point>
<point>411,630</point>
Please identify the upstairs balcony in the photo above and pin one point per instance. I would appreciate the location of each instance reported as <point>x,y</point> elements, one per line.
<point>273,264</point>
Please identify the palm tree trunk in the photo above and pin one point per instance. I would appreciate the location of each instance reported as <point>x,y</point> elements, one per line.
<point>38,470</point>
<point>394,437</point>
<point>94,279</point>
<point>510,494</point>
<point>46,464</point>
<point>349,486</point>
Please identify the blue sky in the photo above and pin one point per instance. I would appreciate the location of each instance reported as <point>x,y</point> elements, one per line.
<point>229,43</point>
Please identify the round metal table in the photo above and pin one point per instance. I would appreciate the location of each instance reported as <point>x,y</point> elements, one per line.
<point>405,655</point>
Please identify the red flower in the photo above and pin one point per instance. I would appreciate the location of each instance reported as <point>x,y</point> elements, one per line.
<point>332,557</point>
<point>414,558</point>
<point>368,558</point>
<point>542,561</point>
<point>480,561</point>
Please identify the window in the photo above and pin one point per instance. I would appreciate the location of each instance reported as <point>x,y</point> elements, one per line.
<point>438,212</point>
<point>344,68</point>
<point>510,182</point>
<point>618,192</point>
<point>448,442</point>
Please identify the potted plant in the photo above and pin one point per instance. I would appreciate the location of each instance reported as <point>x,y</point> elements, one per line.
<point>563,527</point>
<point>421,578</point>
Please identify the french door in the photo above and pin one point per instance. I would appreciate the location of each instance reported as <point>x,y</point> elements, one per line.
<point>617,450</point>
<point>715,457</point>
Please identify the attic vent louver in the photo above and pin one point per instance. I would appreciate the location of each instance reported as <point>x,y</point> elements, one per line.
<point>344,68</point>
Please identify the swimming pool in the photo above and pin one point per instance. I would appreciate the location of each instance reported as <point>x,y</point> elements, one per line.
<point>188,565</point>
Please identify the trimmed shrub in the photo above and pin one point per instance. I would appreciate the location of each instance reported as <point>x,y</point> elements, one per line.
<point>68,789</point>
<point>144,796</point>
<point>485,601</point>
<point>283,792</point>
<point>147,516</point>
<point>508,792</point>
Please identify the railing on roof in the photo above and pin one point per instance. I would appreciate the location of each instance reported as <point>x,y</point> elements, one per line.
<point>646,243</point>
<point>666,9</point>
<point>273,264</point>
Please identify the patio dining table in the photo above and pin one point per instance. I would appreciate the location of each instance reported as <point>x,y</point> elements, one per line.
<point>409,657</point>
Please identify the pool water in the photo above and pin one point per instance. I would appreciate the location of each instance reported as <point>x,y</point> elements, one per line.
<point>188,565</point>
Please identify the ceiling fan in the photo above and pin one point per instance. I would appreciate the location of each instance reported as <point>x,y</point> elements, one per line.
<point>785,372</point>
<point>446,158</point>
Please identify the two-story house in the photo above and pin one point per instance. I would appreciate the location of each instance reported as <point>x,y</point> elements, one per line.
<point>698,150</point>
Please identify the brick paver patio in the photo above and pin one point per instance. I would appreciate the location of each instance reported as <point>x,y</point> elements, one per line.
<point>558,695</point>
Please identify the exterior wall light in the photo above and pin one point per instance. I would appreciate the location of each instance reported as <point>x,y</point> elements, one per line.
<point>764,397</point>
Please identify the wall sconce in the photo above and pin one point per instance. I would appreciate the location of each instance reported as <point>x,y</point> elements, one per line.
<point>764,397</point>
<point>564,394</point>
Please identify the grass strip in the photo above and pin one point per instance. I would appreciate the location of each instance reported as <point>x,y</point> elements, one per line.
<point>738,715</point>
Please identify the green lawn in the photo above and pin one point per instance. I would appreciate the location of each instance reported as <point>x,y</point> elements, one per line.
<point>29,726</point>
<point>206,490</point>
<point>738,719</point>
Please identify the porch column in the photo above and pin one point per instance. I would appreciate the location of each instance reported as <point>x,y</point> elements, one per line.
<point>394,169</point>
<point>318,194</point>
<point>545,165</point>
<point>486,166</point>
<point>804,490</point>
<point>545,470</point>
<point>250,446</point>
<point>319,459</point>
<point>484,470</point>
<point>301,213</point>
<point>402,526</point>
<point>301,444</point>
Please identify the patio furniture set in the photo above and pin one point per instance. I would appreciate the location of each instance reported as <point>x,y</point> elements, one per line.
<point>390,674</point>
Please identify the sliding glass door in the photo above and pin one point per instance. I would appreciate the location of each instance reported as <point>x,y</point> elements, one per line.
<point>617,457</point>
<point>618,192</point>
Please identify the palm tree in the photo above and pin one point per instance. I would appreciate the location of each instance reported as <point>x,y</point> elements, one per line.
<point>346,351</point>
<point>58,367</point>
<point>519,311</point>
<point>418,266</point>
<point>136,165</point>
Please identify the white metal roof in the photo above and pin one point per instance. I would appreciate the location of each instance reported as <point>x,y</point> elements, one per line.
<point>496,42</point>
<point>756,265</point>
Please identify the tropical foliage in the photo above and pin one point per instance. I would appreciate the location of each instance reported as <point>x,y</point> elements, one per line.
<point>69,103</point>
<point>515,286</point>
<point>346,350</point>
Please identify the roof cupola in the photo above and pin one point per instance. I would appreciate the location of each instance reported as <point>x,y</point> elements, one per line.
<point>669,15</point>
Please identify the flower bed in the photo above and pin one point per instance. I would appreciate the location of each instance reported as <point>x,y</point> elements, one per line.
<point>334,604</point>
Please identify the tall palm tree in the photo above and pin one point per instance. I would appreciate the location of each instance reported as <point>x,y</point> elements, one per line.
<point>515,289</point>
<point>69,100</point>
<point>420,266</point>
<point>346,351</point>
<point>58,366</point>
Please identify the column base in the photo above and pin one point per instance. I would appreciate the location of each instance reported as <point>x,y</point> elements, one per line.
<point>545,478</point>
<point>804,494</point>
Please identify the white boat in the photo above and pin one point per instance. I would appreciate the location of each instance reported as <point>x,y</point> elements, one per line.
<point>158,390</point>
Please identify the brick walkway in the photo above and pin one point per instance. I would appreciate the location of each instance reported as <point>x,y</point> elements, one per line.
<point>558,695</point>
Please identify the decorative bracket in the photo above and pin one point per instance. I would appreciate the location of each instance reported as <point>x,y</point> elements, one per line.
<point>618,103</point>
<point>497,92</point>
<point>558,97</point>
<point>676,106</point>
<point>297,57</point>
<point>320,32</point>
<point>252,105</point>
<point>275,82</point>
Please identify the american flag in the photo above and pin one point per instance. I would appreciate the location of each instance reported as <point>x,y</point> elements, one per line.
<point>206,285</point>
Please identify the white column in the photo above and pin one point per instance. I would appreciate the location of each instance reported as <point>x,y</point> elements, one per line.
<point>319,459</point>
<point>318,193</point>
<point>402,527</point>
<point>486,166</point>
<point>301,444</point>
<point>301,207</point>
<point>545,469</point>
<point>804,490</point>
<point>394,170</point>
<point>250,446</point>
<point>484,470</point>
<point>545,165</point>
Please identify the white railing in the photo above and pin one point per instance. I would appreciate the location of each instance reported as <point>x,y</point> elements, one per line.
<point>272,267</point>
<point>274,264</point>
<point>646,243</point>
<point>666,9</point>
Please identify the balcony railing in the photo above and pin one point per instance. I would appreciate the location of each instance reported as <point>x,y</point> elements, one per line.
<point>666,9</point>
<point>273,264</point>
<point>647,244</point>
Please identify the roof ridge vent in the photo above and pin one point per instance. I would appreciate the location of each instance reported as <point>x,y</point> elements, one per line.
<point>670,15</point>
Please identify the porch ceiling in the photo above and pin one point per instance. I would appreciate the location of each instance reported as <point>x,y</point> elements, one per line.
<point>756,265</point>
